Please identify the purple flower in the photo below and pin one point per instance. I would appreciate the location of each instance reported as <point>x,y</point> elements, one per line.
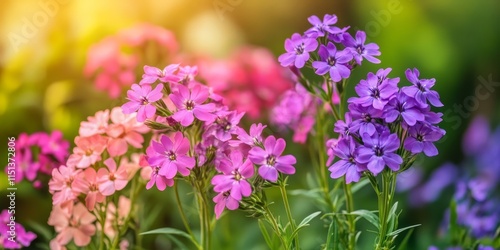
<point>186,74</point>
<point>330,144</point>
<point>22,237</point>
<point>476,136</point>
<point>322,28</point>
<point>421,138</point>
<point>140,99</point>
<point>365,117</point>
<point>233,179</point>
<point>347,165</point>
<point>151,74</point>
<point>338,37</point>
<point>189,105</point>
<point>347,127</point>
<point>298,49</point>
<point>371,92</point>
<point>421,89</point>
<point>271,160</point>
<point>359,49</point>
<point>333,61</point>
<point>378,151</point>
<point>255,136</point>
<point>161,181</point>
<point>405,108</point>
<point>172,156</point>
<point>223,200</point>
<point>225,125</point>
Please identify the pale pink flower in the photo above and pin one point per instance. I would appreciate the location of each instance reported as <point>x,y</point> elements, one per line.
<point>88,151</point>
<point>124,130</point>
<point>111,179</point>
<point>60,186</point>
<point>96,124</point>
<point>116,216</point>
<point>87,183</point>
<point>74,224</point>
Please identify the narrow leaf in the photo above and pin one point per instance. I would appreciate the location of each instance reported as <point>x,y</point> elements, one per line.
<point>263,229</point>
<point>42,230</point>
<point>332,240</point>
<point>307,219</point>
<point>358,185</point>
<point>368,215</point>
<point>405,240</point>
<point>170,231</point>
<point>401,230</point>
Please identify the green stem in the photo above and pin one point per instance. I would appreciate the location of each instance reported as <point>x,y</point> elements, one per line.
<point>183,216</point>
<point>385,203</point>
<point>270,218</point>
<point>204,221</point>
<point>350,209</point>
<point>289,212</point>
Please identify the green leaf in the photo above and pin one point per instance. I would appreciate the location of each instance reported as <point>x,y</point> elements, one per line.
<point>358,185</point>
<point>42,230</point>
<point>177,242</point>
<point>332,240</point>
<point>170,231</point>
<point>392,212</point>
<point>405,240</point>
<point>401,230</point>
<point>307,219</point>
<point>454,229</point>
<point>263,229</point>
<point>368,215</point>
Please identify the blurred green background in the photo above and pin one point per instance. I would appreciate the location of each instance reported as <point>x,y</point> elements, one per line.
<point>42,85</point>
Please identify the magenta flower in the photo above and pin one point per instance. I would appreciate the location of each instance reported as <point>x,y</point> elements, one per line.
<point>225,125</point>
<point>141,99</point>
<point>223,200</point>
<point>22,237</point>
<point>298,49</point>
<point>359,49</point>
<point>255,135</point>
<point>421,139</point>
<point>233,179</point>
<point>151,74</point>
<point>347,165</point>
<point>161,181</point>
<point>271,160</point>
<point>421,89</point>
<point>333,61</point>
<point>189,104</point>
<point>322,28</point>
<point>172,156</point>
<point>378,151</point>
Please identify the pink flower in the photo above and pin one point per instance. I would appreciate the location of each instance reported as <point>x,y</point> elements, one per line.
<point>87,183</point>
<point>116,217</point>
<point>151,74</point>
<point>172,156</point>
<point>223,200</point>
<point>96,124</point>
<point>111,179</point>
<point>60,186</point>
<point>255,136</point>
<point>161,181</point>
<point>189,103</point>
<point>271,160</point>
<point>124,130</point>
<point>233,179</point>
<point>141,99</point>
<point>88,151</point>
<point>74,224</point>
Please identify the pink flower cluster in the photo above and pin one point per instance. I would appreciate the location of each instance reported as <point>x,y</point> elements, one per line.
<point>92,173</point>
<point>113,68</point>
<point>250,80</point>
<point>15,236</point>
<point>197,132</point>
<point>38,153</point>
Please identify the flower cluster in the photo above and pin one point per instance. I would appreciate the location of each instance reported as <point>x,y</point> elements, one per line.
<point>249,75</point>
<point>338,50</point>
<point>39,153</point>
<point>13,236</point>
<point>198,137</point>
<point>97,168</point>
<point>386,126</point>
<point>113,68</point>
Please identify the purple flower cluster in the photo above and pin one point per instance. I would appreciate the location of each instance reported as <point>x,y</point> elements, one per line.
<point>38,153</point>
<point>13,236</point>
<point>199,137</point>
<point>386,126</point>
<point>337,51</point>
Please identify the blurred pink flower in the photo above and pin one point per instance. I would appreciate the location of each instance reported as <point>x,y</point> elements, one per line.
<point>116,216</point>
<point>123,131</point>
<point>88,151</point>
<point>74,224</point>
<point>87,183</point>
<point>251,80</point>
<point>96,124</point>
<point>60,186</point>
<point>111,179</point>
